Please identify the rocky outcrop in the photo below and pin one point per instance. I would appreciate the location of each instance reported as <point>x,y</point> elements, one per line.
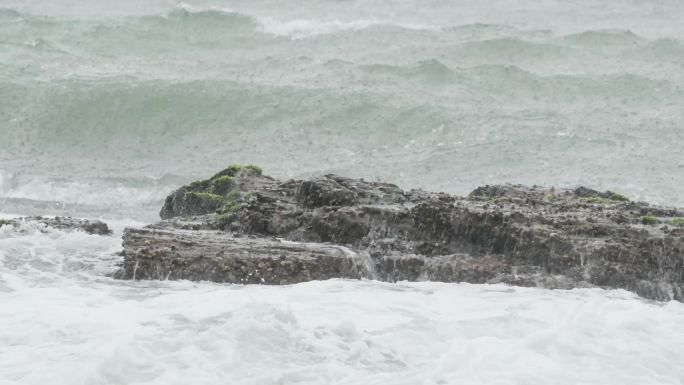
<point>61,223</point>
<point>157,253</point>
<point>244,227</point>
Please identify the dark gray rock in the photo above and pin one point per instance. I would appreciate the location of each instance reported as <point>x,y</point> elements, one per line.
<point>62,223</point>
<point>530,236</point>
<point>157,253</point>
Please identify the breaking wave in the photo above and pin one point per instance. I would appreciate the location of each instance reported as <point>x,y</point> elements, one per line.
<point>604,38</point>
<point>199,23</point>
<point>9,15</point>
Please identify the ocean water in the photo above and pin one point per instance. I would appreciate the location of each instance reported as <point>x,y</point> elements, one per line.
<point>106,107</point>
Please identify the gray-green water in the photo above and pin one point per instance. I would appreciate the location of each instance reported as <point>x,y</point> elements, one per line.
<point>105,108</point>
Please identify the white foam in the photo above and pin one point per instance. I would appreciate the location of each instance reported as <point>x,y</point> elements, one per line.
<point>62,321</point>
<point>185,7</point>
<point>296,28</point>
<point>305,28</point>
<point>88,192</point>
<point>300,28</point>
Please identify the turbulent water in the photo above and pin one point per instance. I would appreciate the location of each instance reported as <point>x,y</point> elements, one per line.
<point>106,106</point>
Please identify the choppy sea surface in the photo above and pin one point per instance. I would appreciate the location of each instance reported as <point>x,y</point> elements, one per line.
<point>105,107</point>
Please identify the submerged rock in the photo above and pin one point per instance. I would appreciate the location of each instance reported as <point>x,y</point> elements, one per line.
<point>61,223</point>
<point>244,227</point>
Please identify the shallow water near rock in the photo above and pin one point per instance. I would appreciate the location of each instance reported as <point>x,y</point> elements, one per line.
<point>63,321</point>
<point>106,108</point>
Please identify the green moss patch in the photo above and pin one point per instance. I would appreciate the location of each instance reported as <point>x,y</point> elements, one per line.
<point>483,198</point>
<point>222,184</point>
<point>613,196</point>
<point>606,198</point>
<point>676,221</point>
<point>233,196</point>
<point>203,196</point>
<point>254,167</point>
<point>602,200</point>
<point>4,222</point>
<point>199,185</point>
<point>234,168</point>
<point>650,220</point>
<point>230,208</point>
<point>232,203</point>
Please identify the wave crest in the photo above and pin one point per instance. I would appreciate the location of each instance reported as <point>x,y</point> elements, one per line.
<point>9,15</point>
<point>604,38</point>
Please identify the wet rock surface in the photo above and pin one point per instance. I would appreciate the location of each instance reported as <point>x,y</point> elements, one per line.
<point>61,223</point>
<point>244,227</point>
<point>217,256</point>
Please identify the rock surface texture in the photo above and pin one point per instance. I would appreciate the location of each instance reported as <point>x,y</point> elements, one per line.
<point>244,227</point>
<point>61,223</point>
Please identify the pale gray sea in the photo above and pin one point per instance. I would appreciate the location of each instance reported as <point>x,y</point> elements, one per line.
<point>107,106</point>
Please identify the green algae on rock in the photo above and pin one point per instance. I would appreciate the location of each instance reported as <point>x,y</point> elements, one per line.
<point>513,234</point>
<point>217,194</point>
<point>222,184</point>
<point>602,198</point>
<point>649,220</point>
